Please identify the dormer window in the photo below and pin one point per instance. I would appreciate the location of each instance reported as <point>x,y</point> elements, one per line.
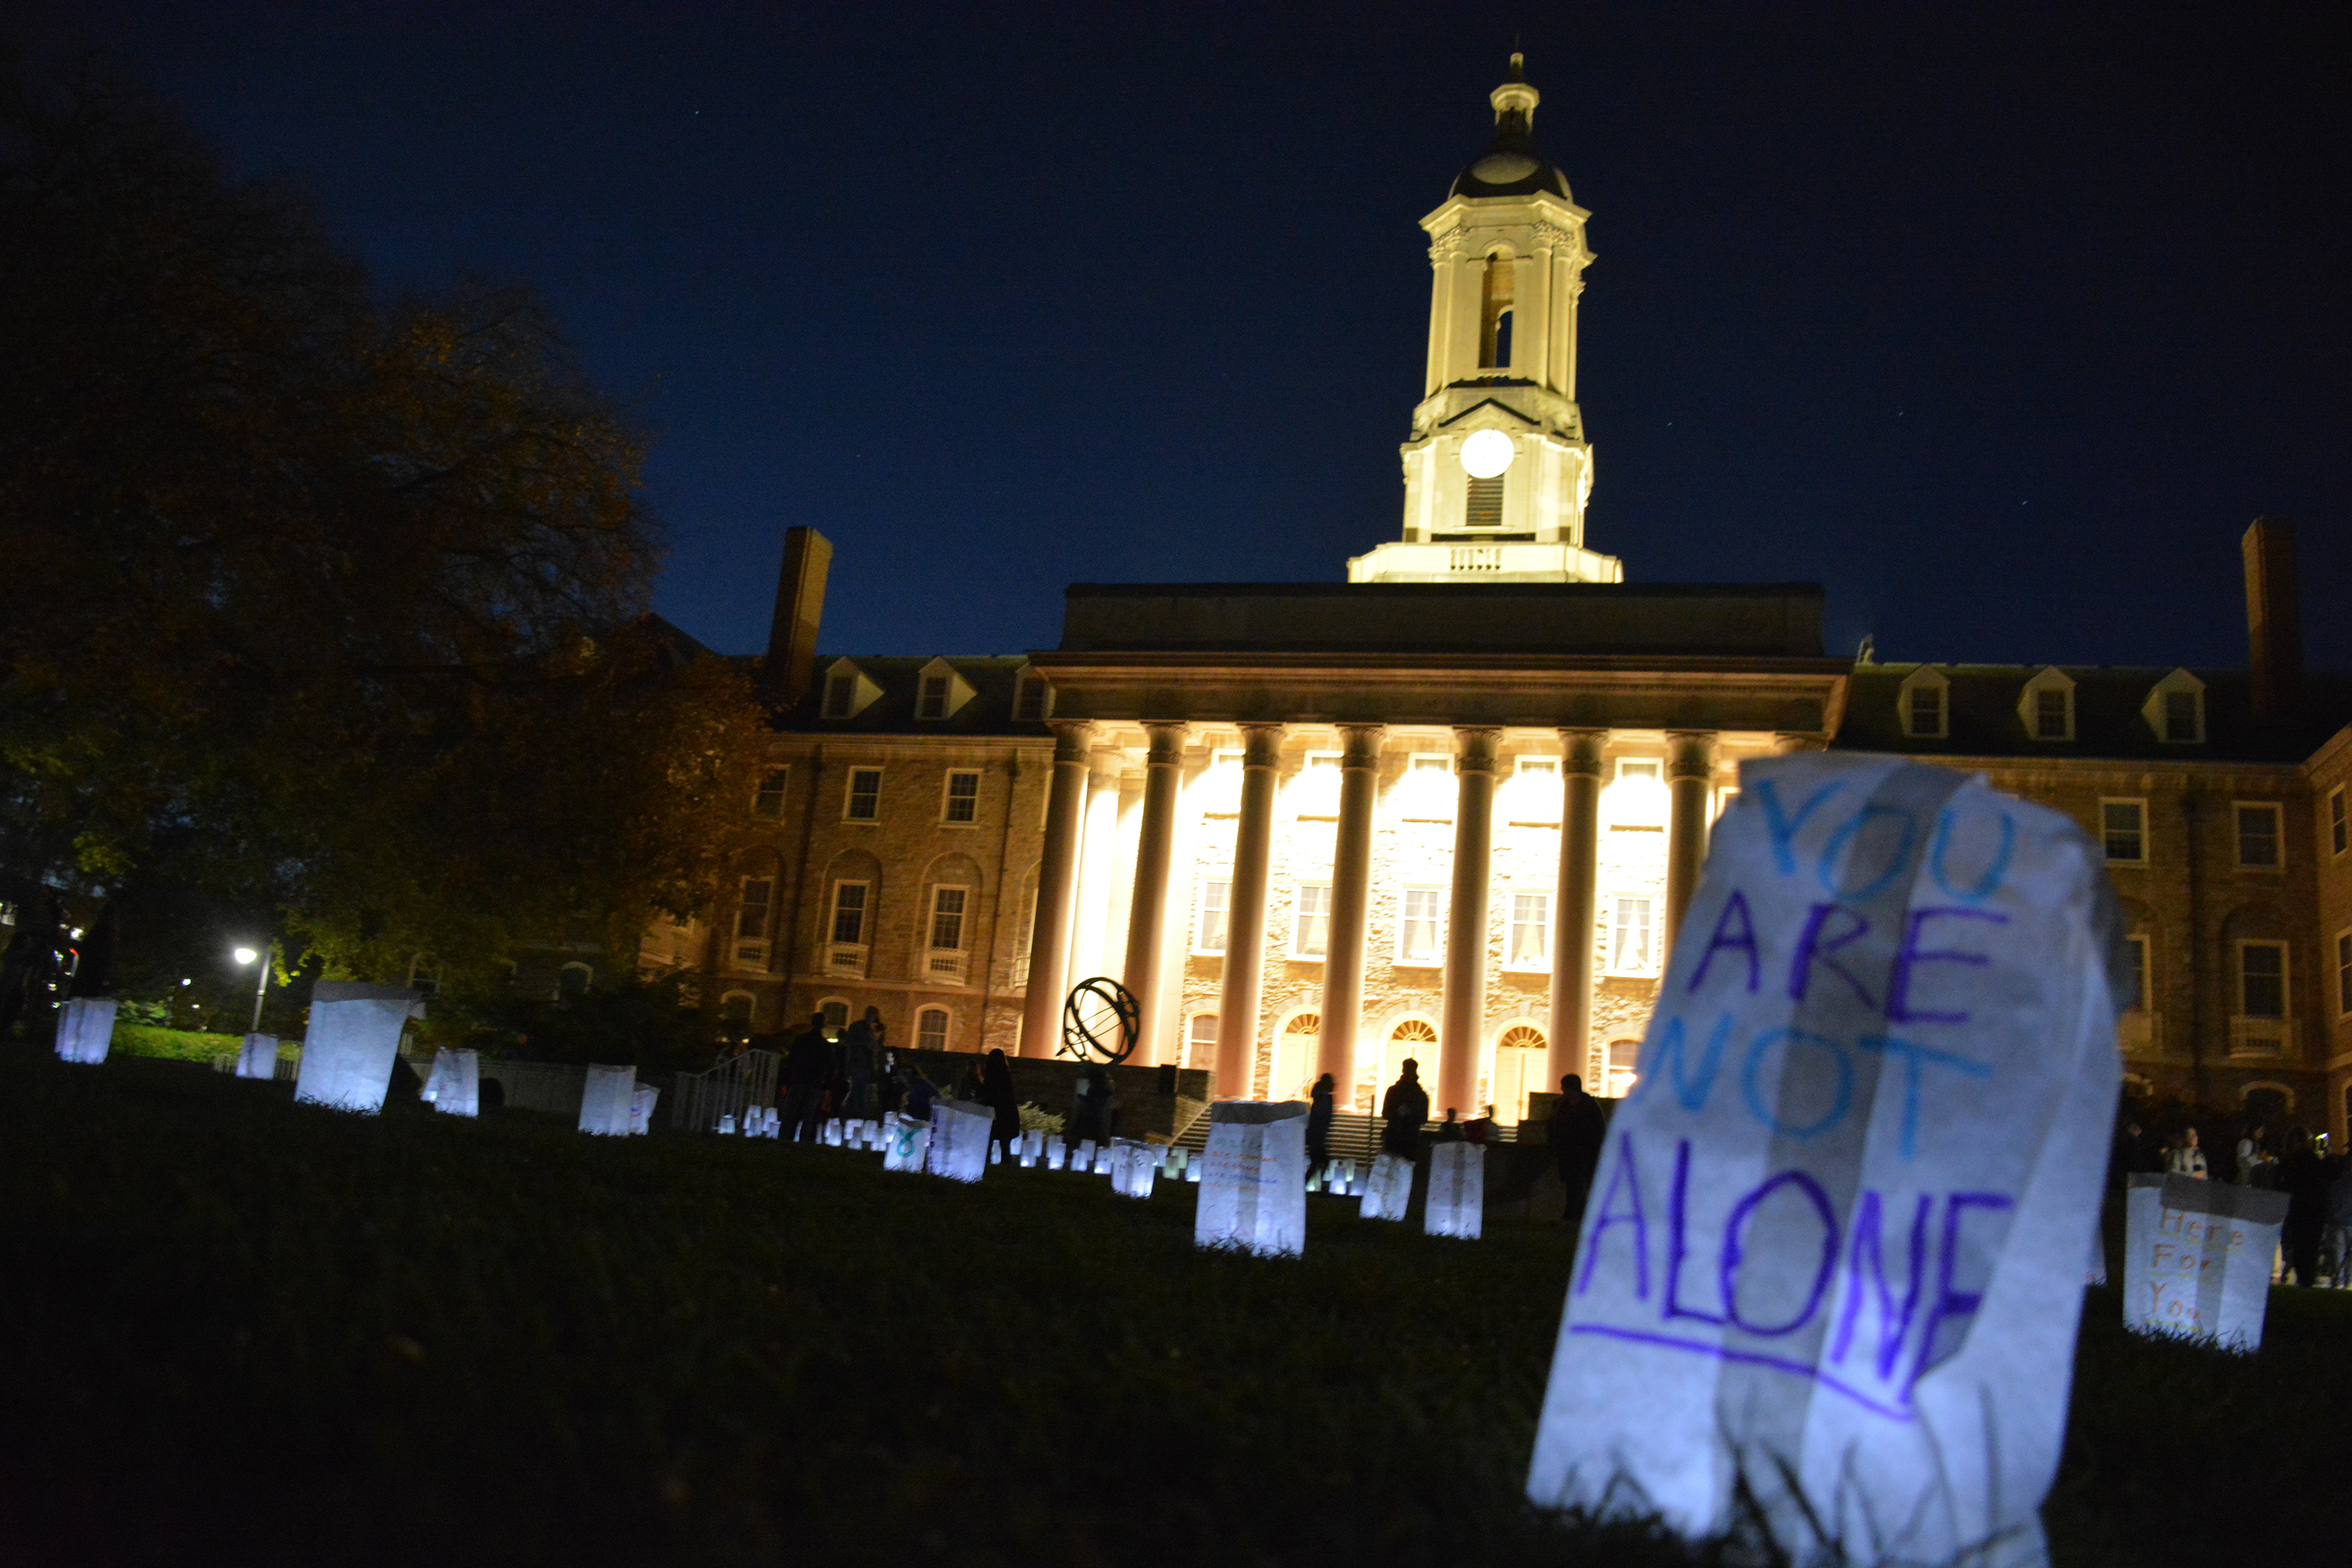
<point>939,691</point>
<point>2175,709</point>
<point>2047,706</point>
<point>1029,697</point>
<point>1921,702</point>
<point>848,692</point>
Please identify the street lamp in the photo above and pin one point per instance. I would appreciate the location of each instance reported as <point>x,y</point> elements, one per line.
<point>260,980</point>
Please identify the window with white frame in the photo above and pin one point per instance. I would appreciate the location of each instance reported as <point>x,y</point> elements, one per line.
<point>1632,936</point>
<point>931,696</point>
<point>752,907</point>
<point>931,1029</point>
<point>2184,717</point>
<point>1310,922</point>
<point>1528,945</point>
<point>1539,768</point>
<point>2344,974</point>
<point>2257,834</point>
<point>1201,1041</point>
<point>862,802</point>
<point>840,694</point>
<point>2261,979</point>
<point>1029,697</point>
<point>960,806</point>
<point>1429,789</point>
<point>1923,710</point>
<point>1648,768</point>
<point>847,946</point>
<point>2339,828</point>
<point>1315,792</point>
<point>769,801</point>
<point>1215,909</point>
<point>946,959</point>
<point>1531,798</point>
<point>2053,713</point>
<point>1417,920</point>
<point>2123,831</point>
<point>2135,997</point>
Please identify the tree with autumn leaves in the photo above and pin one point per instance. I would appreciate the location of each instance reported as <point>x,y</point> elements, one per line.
<point>316,603</point>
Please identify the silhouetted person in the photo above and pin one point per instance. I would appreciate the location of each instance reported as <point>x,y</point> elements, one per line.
<point>861,1050</point>
<point>2303,1175</point>
<point>996,1092</point>
<point>1404,1108</point>
<point>29,967</point>
<point>1579,1128</point>
<point>93,973</point>
<point>920,1091</point>
<point>806,1065</point>
<point>1321,1108</point>
<point>1480,1130</point>
<point>1090,1108</point>
<point>1450,1129</point>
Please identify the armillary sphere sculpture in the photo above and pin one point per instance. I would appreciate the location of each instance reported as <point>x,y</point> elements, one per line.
<point>1100,1021</point>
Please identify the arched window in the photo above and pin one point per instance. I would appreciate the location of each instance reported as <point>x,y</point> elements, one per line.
<point>1495,315</point>
<point>571,981</point>
<point>931,1029</point>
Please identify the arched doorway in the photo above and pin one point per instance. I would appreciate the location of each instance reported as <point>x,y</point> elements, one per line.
<point>1292,1075</point>
<point>1408,1037</point>
<point>1518,1071</point>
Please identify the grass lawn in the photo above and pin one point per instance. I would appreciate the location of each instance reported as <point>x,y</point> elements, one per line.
<point>246,1332</point>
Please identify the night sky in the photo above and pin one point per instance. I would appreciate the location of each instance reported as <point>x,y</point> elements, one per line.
<point>2001,323</point>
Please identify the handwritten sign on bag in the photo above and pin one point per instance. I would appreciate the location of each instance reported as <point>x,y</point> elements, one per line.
<point>1834,1250</point>
<point>2196,1258</point>
<point>1253,1178</point>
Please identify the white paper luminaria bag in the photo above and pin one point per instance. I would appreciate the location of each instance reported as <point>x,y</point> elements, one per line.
<point>606,1100</point>
<point>1834,1253</point>
<point>258,1057</point>
<point>1387,1191</point>
<point>1253,1178</point>
<point>641,1108</point>
<point>347,1051</point>
<point>455,1087</point>
<point>1457,1190</point>
<point>2196,1258</point>
<point>906,1144</point>
<point>959,1139</point>
<point>86,1029</point>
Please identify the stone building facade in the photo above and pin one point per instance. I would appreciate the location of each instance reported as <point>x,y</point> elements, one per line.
<point>1452,808</point>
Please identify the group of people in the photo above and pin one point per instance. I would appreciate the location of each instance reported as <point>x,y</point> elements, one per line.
<point>2315,1240</point>
<point>1578,1127</point>
<point>858,1077</point>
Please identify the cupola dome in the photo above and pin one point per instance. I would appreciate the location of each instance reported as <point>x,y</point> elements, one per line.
<point>1511,166</point>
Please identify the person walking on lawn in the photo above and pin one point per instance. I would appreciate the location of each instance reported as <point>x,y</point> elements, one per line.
<point>1404,1110</point>
<point>806,1067</point>
<point>1579,1128</point>
<point>996,1092</point>
<point>861,1050</point>
<point>1318,1126</point>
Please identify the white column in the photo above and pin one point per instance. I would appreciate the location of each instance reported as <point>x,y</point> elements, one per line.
<point>1057,886</point>
<point>1690,775</point>
<point>1463,1021</point>
<point>1351,898</point>
<point>1572,915</point>
<point>1148,920</point>
<point>1237,1006</point>
<point>1097,866</point>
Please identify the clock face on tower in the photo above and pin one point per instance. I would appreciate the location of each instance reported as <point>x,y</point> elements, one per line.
<point>1487,454</point>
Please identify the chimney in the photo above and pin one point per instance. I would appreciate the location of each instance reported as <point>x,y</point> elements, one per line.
<point>2274,619</point>
<point>800,605</point>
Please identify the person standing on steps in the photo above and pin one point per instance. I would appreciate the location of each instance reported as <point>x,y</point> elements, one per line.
<point>1318,1126</point>
<point>1579,1128</point>
<point>1405,1110</point>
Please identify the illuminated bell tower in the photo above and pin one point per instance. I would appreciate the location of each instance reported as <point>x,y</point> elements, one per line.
<point>1498,470</point>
